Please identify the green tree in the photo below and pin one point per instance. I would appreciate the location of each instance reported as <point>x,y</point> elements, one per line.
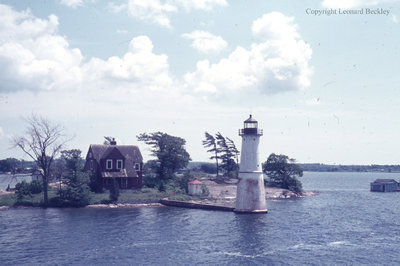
<point>150,178</point>
<point>36,186</point>
<point>229,153</point>
<point>72,160</point>
<point>170,153</point>
<point>22,189</point>
<point>11,165</point>
<point>208,168</point>
<point>43,142</point>
<point>211,143</point>
<point>283,172</point>
<point>74,190</point>
<point>114,190</point>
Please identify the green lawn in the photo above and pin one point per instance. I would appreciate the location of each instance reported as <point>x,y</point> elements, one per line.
<point>146,195</point>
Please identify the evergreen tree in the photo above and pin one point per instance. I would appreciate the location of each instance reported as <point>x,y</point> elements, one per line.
<point>74,190</point>
<point>114,190</point>
<point>229,153</point>
<point>211,143</point>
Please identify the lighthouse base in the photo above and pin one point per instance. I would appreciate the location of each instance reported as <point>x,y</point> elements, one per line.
<point>250,197</point>
<point>253,211</point>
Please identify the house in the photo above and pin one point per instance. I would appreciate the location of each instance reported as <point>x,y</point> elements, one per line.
<point>122,162</point>
<point>385,185</point>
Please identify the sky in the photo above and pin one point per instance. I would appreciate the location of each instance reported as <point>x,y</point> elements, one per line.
<point>321,77</point>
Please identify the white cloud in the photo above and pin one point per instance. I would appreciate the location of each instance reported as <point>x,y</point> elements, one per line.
<point>280,62</point>
<point>354,3</point>
<point>158,12</point>
<point>72,3</point>
<point>139,69</point>
<point>152,11</point>
<point>205,42</point>
<point>275,26</point>
<point>201,4</point>
<point>2,133</point>
<point>32,55</point>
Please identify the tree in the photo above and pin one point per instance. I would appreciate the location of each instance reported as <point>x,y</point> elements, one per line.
<point>114,191</point>
<point>43,142</point>
<point>208,168</point>
<point>22,189</point>
<point>283,172</point>
<point>11,165</point>
<point>150,178</point>
<point>210,142</point>
<point>76,191</point>
<point>233,150</point>
<point>170,153</point>
<point>229,153</point>
<point>72,160</point>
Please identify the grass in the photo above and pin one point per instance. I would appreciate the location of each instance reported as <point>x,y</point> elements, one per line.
<point>145,195</point>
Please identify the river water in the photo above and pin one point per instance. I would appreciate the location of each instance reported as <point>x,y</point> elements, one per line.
<point>345,224</point>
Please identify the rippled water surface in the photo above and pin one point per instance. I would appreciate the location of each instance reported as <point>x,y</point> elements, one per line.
<point>346,224</point>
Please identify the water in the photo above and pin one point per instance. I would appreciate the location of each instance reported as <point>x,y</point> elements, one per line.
<point>345,225</point>
<point>11,180</point>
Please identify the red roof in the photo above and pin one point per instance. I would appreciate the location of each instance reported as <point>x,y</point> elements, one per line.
<point>195,182</point>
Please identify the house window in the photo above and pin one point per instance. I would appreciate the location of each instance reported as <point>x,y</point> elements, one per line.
<point>119,164</point>
<point>109,164</point>
<point>90,155</point>
<point>91,164</point>
<point>137,166</point>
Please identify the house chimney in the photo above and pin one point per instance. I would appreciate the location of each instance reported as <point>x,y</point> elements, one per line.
<point>113,142</point>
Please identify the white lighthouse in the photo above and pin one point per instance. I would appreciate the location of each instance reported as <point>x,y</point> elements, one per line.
<point>250,190</point>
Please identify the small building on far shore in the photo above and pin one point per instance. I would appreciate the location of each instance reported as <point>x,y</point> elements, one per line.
<point>385,185</point>
<point>195,187</point>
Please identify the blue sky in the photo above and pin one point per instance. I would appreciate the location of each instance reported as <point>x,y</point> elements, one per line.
<point>324,88</point>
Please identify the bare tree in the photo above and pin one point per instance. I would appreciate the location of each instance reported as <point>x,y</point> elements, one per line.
<point>43,142</point>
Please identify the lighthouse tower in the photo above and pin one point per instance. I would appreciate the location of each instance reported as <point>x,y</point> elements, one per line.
<point>250,190</point>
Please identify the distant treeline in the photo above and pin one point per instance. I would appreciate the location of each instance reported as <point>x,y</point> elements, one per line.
<point>313,167</point>
<point>317,167</point>
<point>15,166</point>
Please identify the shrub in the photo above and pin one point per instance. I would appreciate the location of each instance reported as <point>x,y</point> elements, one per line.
<point>36,186</point>
<point>204,190</point>
<point>209,168</point>
<point>22,189</point>
<point>114,190</point>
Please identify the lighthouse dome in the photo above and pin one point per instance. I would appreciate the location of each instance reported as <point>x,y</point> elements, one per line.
<point>250,127</point>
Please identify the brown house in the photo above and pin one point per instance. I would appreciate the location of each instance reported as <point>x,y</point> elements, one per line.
<point>122,162</point>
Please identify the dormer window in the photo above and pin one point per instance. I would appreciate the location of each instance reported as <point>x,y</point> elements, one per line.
<point>119,164</point>
<point>90,155</point>
<point>109,164</point>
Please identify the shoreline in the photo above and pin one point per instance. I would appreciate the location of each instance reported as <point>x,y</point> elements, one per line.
<point>218,194</point>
